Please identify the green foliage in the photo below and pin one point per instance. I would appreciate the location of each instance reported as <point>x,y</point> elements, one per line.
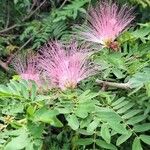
<point>42,31</point>
<point>53,25</point>
<point>20,97</point>
<point>71,10</point>
<point>98,115</point>
<point>144,3</point>
<point>91,116</point>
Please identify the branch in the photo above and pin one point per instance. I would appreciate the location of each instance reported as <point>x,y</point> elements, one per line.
<point>9,28</point>
<point>64,2</point>
<point>33,5</point>
<point>4,65</point>
<point>7,35</point>
<point>27,17</point>
<point>24,19</point>
<point>126,86</point>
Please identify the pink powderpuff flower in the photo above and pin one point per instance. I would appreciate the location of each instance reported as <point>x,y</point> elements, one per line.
<point>65,66</point>
<point>106,22</point>
<point>26,65</point>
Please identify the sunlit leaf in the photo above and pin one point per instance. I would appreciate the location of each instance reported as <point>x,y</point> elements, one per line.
<point>136,144</point>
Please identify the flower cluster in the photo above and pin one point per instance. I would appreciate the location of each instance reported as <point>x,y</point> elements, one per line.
<point>66,65</point>
<point>63,65</point>
<point>26,66</point>
<point>106,22</point>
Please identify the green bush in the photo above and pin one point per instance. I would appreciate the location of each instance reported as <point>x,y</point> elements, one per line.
<point>109,110</point>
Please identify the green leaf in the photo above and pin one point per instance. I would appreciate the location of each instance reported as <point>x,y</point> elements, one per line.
<point>121,105</point>
<point>136,119</point>
<point>19,142</point>
<point>125,108</point>
<point>87,95</point>
<point>84,132</point>
<point>33,91</point>
<point>30,146</point>
<point>121,139</point>
<point>84,108</point>
<point>145,139</point>
<point>93,125</point>
<point>25,92</point>
<point>30,110</point>
<point>142,128</point>
<point>147,86</point>
<point>141,33</point>
<point>39,98</point>
<point>25,83</point>
<point>116,60</point>
<point>47,116</point>
<point>118,101</point>
<point>131,113</point>
<point>4,89</point>
<point>108,115</point>
<point>56,122</point>
<point>85,122</point>
<point>118,73</point>
<point>118,127</point>
<point>147,110</point>
<point>16,132</point>
<point>73,122</point>
<point>105,133</point>
<point>17,86</point>
<point>136,144</point>
<point>103,144</point>
<point>13,89</point>
<point>64,110</point>
<point>85,141</point>
<point>36,129</point>
<point>140,78</point>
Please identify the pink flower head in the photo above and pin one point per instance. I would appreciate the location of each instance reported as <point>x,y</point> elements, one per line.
<point>26,66</point>
<point>106,22</point>
<point>65,66</point>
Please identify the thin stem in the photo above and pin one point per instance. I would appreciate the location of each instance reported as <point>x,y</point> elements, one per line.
<point>9,28</point>
<point>64,2</point>
<point>24,19</point>
<point>4,65</point>
<point>33,12</point>
<point>94,146</point>
<point>33,5</point>
<point>126,86</point>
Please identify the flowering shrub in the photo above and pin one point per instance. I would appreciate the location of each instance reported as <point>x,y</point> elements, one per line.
<point>106,22</point>
<point>65,66</point>
<point>69,93</point>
